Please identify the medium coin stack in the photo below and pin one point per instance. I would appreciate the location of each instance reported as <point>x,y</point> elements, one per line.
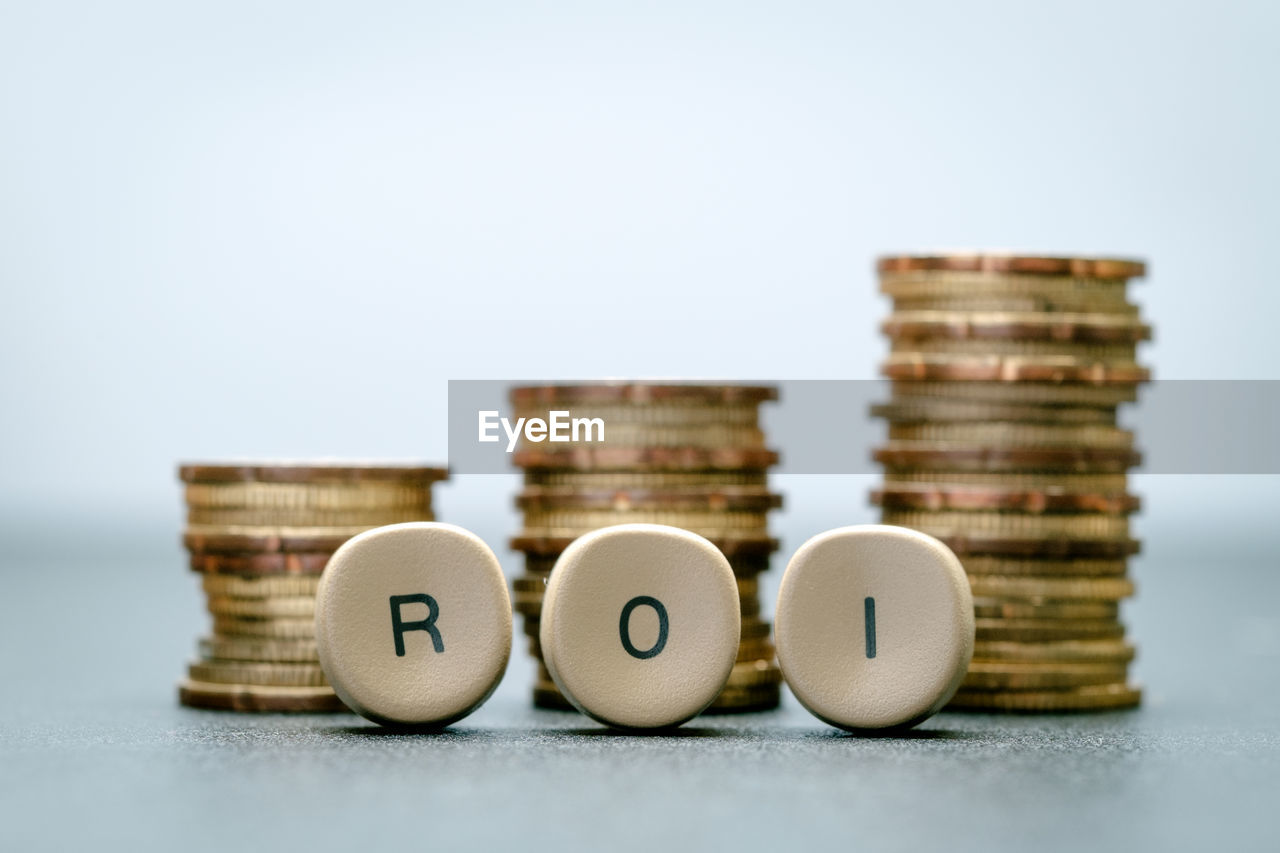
<point>259,535</point>
<point>689,456</point>
<point>1007,372</point>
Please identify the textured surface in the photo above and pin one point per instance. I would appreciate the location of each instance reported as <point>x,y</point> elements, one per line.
<point>93,747</point>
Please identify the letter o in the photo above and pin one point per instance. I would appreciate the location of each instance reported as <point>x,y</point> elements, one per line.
<point>624,626</point>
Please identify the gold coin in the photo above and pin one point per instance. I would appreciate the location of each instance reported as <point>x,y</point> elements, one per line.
<point>720,499</point>
<point>1090,698</point>
<point>1019,369</point>
<point>1064,289</point>
<point>197,535</point>
<point>717,436</point>
<point>1025,480</point>
<point>738,549</point>
<point>527,605</point>
<point>547,697</point>
<point>268,629</point>
<point>206,517</point>
<point>984,675</point>
<point>1106,353</point>
<point>298,606</point>
<point>572,523</point>
<point>275,674</point>
<point>659,415</point>
<point>755,650</point>
<point>648,459</point>
<point>1019,393</point>
<point>298,471</point>
<point>738,700</point>
<point>1014,434</point>
<point>1015,325</point>
<point>263,698</point>
<point>1065,651</point>
<point>982,457</point>
<point>997,608</point>
<point>323,497</point>
<point>1046,630</point>
<point>665,480</point>
<point>642,394</point>
<point>922,496</point>
<point>1011,524</point>
<point>1020,302</point>
<point>968,265</point>
<point>747,568</point>
<point>260,587</point>
<point>1057,548</point>
<point>258,650</point>
<point>1035,588</point>
<point>754,673</point>
<point>529,585</point>
<point>925,410</point>
<point>977,564</point>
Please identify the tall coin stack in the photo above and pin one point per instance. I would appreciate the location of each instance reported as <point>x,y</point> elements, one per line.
<point>1007,372</point>
<point>689,456</point>
<point>259,535</point>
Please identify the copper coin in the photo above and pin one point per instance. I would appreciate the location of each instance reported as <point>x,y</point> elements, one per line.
<point>927,497</point>
<point>1010,369</point>
<point>1102,549</point>
<point>1015,264</point>
<point>1015,325</point>
<point>743,700</point>
<point>1092,698</point>
<point>246,697</point>
<point>253,565</point>
<point>285,471</point>
<point>731,547</point>
<point>979,458</point>
<point>237,543</point>
<point>924,410</point>
<point>646,458</point>
<point>747,499</point>
<point>981,565</point>
<point>548,697</point>
<point>1011,435</point>
<point>641,393</point>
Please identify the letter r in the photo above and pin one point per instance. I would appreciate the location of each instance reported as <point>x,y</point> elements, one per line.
<point>399,626</point>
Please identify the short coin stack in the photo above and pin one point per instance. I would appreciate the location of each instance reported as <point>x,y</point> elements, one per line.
<point>689,456</point>
<point>259,534</point>
<point>1003,442</point>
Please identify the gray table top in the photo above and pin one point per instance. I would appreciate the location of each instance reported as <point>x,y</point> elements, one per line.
<point>94,748</point>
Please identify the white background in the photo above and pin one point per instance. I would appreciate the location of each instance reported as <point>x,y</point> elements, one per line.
<point>248,229</point>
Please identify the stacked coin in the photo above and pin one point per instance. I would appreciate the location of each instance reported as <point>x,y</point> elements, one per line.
<point>259,535</point>
<point>1003,442</point>
<point>689,456</point>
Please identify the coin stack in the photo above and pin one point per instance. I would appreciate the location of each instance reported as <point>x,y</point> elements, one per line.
<point>259,535</point>
<point>689,456</point>
<point>1007,372</point>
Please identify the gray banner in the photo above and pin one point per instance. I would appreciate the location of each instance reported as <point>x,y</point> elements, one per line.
<point>827,426</point>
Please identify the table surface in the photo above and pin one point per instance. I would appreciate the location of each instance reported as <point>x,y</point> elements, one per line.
<point>95,749</point>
